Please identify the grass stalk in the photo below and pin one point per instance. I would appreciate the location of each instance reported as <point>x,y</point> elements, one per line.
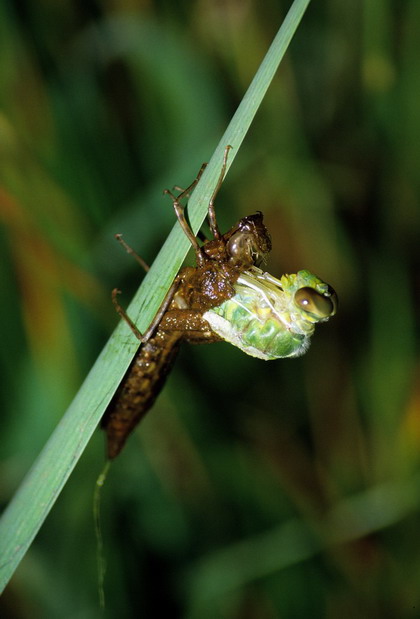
<point>32,502</point>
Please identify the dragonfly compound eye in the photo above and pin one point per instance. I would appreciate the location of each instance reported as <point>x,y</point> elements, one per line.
<point>315,303</point>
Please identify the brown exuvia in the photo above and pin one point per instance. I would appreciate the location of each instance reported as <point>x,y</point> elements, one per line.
<point>220,262</point>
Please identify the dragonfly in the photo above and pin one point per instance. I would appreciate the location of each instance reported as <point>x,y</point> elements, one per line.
<point>225,297</point>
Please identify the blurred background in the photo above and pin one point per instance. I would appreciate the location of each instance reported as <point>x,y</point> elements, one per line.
<point>253,490</point>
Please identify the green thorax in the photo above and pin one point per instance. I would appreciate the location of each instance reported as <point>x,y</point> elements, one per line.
<point>273,318</point>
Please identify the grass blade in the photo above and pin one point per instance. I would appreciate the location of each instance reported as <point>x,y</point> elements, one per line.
<point>28,509</point>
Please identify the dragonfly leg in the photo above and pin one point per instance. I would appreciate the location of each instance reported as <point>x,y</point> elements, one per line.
<point>179,211</point>
<point>156,320</point>
<point>131,251</point>
<point>121,311</point>
<point>211,212</point>
<point>163,308</point>
<point>185,192</point>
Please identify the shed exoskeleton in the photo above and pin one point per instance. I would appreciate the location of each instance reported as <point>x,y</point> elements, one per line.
<point>224,297</point>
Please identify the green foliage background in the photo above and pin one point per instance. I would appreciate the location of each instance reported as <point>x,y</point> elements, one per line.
<point>253,490</point>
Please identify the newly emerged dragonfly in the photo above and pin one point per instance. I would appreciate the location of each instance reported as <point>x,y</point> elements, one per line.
<point>225,297</point>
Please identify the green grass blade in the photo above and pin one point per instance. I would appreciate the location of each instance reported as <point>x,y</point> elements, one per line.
<point>38,492</point>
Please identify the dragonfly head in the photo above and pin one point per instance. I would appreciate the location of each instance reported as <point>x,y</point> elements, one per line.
<point>314,297</point>
<point>248,242</point>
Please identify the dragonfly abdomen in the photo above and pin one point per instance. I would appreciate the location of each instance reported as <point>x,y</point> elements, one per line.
<point>140,387</point>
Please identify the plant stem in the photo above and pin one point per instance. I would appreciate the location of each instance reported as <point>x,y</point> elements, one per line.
<point>32,502</point>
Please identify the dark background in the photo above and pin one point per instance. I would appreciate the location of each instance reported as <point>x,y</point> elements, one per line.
<point>253,490</point>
